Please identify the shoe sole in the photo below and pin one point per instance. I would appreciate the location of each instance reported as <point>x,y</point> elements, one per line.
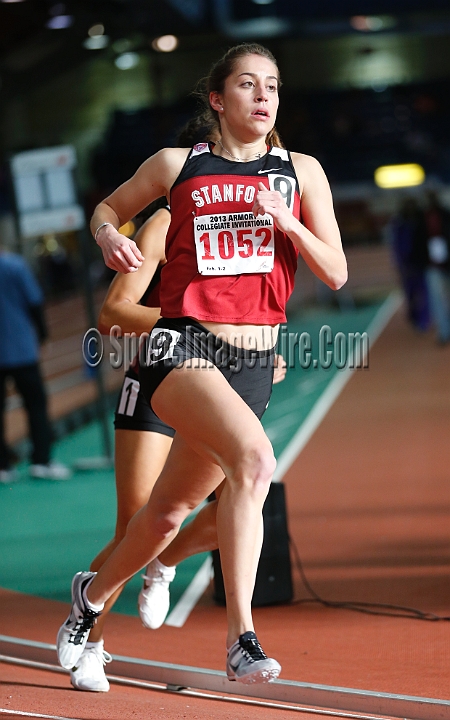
<point>257,677</point>
<point>87,689</point>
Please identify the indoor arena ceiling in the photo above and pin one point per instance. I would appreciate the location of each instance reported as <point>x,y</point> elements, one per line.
<point>40,38</point>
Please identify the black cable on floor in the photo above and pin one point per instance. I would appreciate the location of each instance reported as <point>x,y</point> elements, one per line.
<point>362,607</point>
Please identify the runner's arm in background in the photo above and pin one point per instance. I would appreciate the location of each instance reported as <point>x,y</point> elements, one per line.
<point>279,369</point>
<point>121,305</point>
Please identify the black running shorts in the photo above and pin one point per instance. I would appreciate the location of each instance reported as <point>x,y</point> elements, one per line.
<point>133,412</point>
<point>177,340</point>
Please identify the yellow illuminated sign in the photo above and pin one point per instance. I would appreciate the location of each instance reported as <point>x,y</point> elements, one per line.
<point>396,176</point>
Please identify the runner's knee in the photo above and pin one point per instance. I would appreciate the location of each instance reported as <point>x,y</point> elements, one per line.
<point>168,522</point>
<point>256,467</point>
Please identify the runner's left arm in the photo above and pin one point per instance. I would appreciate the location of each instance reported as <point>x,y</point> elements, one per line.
<point>317,237</point>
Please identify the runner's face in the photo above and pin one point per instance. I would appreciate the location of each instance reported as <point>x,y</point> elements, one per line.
<point>250,97</point>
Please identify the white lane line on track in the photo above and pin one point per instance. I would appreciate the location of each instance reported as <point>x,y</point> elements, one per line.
<point>191,595</point>
<point>22,713</point>
<point>200,581</point>
<point>332,391</point>
<point>311,710</point>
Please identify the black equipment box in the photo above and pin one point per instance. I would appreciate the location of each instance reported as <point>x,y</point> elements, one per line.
<point>274,577</point>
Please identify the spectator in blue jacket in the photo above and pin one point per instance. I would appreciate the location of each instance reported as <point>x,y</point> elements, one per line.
<point>22,328</point>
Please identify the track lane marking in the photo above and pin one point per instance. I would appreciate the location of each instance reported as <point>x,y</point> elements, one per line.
<point>332,391</point>
<point>23,713</point>
<point>191,595</point>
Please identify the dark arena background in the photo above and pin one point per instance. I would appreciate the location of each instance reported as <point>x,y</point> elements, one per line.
<point>353,590</point>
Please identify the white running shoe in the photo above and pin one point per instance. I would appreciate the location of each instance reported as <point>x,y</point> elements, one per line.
<point>50,471</point>
<point>73,634</point>
<point>154,598</point>
<point>248,663</point>
<point>89,672</point>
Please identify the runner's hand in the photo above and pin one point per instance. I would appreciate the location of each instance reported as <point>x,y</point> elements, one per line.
<point>120,253</point>
<point>272,202</point>
<point>279,369</point>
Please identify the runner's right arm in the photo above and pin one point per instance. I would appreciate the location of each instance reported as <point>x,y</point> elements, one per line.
<point>121,305</point>
<point>153,179</point>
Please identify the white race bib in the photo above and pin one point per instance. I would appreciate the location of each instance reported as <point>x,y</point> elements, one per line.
<point>234,243</point>
<point>128,397</point>
<point>161,344</point>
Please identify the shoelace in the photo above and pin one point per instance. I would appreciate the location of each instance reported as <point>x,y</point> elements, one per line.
<point>102,654</point>
<point>158,576</point>
<point>253,649</point>
<point>82,627</point>
<point>107,658</point>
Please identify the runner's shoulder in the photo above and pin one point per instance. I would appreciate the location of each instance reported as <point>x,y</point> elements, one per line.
<point>307,168</point>
<point>161,169</point>
<point>167,160</point>
<point>306,163</point>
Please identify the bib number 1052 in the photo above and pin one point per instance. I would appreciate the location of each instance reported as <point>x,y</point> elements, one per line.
<point>224,249</point>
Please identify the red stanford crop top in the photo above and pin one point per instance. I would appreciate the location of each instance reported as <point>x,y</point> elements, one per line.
<point>223,264</point>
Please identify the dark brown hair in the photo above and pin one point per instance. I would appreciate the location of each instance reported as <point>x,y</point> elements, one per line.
<point>198,129</point>
<point>215,82</point>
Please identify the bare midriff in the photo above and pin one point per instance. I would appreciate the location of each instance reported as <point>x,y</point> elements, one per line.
<point>249,337</point>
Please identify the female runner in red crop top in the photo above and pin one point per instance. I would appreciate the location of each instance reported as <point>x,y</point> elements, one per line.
<point>245,269</point>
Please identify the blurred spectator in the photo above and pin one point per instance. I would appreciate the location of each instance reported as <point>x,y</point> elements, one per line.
<point>408,242</point>
<point>437,221</point>
<point>22,326</point>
